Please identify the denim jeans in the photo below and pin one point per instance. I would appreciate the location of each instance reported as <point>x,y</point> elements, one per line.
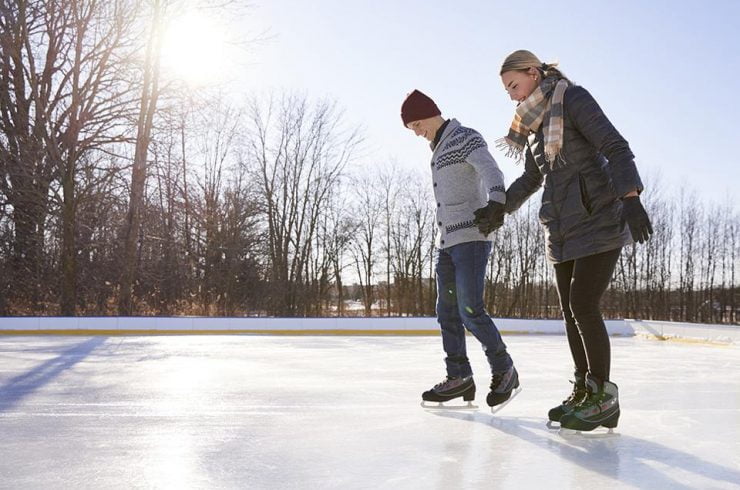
<point>461,271</point>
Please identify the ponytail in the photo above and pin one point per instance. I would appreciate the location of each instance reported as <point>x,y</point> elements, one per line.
<point>523,60</point>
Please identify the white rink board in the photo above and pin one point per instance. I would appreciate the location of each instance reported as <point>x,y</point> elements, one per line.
<point>344,326</point>
<point>267,324</point>
<point>696,331</point>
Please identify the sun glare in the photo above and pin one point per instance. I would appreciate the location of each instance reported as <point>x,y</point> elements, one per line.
<point>194,50</point>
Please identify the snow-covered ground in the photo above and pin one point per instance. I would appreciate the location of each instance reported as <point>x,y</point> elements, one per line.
<point>343,412</point>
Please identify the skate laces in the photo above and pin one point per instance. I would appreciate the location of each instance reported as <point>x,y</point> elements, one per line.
<point>496,379</point>
<point>577,393</point>
<point>445,382</point>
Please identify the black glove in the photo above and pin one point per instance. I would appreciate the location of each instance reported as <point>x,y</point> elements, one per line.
<point>490,218</point>
<point>636,217</point>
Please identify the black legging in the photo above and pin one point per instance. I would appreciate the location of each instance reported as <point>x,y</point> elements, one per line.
<point>581,283</point>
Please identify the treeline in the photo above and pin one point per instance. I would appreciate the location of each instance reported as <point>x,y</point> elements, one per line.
<point>122,193</point>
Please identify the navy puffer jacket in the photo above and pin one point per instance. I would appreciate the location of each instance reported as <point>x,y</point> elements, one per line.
<point>581,207</point>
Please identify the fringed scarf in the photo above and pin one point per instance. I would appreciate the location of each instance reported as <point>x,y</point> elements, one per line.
<point>544,104</point>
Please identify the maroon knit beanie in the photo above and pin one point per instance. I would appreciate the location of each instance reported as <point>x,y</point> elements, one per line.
<point>418,106</point>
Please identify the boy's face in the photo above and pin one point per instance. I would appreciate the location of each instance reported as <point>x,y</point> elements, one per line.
<point>423,127</point>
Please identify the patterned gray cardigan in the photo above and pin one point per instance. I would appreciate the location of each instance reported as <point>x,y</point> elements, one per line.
<point>465,177</point>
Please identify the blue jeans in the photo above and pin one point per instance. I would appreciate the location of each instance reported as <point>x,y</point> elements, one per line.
<point>461,271</point>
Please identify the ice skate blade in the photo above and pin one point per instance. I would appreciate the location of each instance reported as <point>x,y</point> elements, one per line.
<point>598,433</point>
<point>552,425</point>
<point>497,408</point>
<point>440,406</point>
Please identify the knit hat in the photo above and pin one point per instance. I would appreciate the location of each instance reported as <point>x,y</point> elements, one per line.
<point>418,106</point>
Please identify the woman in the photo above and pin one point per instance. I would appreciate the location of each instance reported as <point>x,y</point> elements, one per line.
<point>591,192</point>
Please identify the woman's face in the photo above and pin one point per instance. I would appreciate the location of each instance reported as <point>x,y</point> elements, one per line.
<point>520,83</point>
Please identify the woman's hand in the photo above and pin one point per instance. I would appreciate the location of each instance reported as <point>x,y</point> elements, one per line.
<point>637,218</point>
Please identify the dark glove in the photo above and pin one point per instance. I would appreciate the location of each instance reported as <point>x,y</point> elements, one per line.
<point>636,217</point>
<point>490,218</point>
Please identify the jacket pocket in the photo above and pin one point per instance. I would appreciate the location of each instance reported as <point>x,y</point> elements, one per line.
<point>583,191</point>
<point>457,217</point>
<point>457,207</point>
<point>570,201</point>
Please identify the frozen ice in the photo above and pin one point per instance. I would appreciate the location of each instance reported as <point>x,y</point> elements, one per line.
<point>283,412</point>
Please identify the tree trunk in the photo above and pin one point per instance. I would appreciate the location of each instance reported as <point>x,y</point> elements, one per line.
<point>149,96</point>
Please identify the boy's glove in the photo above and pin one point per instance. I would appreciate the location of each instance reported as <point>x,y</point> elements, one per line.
<point>490,218</point>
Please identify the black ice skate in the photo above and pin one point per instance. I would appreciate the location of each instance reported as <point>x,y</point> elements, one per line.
<point>577,396</point>
<point>599,409</point>
<point>449,389</point>
<point>504,387</point>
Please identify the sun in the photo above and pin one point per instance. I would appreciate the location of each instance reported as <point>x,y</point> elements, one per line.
<point>194,50</point>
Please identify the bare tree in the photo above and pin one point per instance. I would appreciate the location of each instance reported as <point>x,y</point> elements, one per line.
<point>147,109</point>
<point>68,99</point>
<point>25,99</point>
<point>96,113</point>
<point>410,231</point>
<point>389,185</point>
<point>367,213</point>
<point>300,153</point>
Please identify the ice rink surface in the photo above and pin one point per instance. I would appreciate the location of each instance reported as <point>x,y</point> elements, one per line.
<point>257,412</point>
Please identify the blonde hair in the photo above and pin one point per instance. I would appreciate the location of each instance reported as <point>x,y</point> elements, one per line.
<point>522,60</point>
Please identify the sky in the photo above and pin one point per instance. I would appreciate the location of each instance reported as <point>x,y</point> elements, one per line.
<point>664,72</point>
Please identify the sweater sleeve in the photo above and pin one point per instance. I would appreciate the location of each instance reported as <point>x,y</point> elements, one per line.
<point>526,185</point>
<point>593,124</point>
<point>488,170</point>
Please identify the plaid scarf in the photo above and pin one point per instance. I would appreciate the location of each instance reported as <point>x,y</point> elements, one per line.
<point>544,104</point>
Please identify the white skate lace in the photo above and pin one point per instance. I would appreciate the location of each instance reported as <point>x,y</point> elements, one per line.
<point>574,395</point>
<point>444,383</point>
<point>496,380</point>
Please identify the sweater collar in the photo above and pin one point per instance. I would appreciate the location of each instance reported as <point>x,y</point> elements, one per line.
<point>443,132</point>
<point>438,136</point>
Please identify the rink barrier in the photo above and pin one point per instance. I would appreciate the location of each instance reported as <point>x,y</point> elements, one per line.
<point>686,332</point>
<point>721,334</point>
<point>263,325</point>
